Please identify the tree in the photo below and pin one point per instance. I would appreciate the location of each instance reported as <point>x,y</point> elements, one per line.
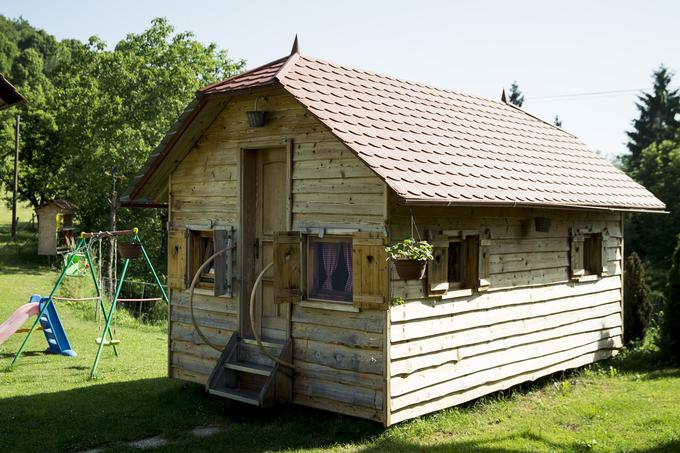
<point>649,234</point>
<point>516,96</point>
<point>91,108</point>
<point>657,120</point>
<point>558,121</point>
<point>636,300</point>
<point>670,326</point>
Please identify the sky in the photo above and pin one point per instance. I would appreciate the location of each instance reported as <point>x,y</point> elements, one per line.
<point>551,49</point>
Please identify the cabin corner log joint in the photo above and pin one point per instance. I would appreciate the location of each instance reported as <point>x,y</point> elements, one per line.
<point>526,279</point>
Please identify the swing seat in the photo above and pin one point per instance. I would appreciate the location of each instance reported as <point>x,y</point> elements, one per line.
<point>107,342</point>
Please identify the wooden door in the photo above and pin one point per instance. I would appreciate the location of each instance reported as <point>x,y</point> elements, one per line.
<point>270,217</point>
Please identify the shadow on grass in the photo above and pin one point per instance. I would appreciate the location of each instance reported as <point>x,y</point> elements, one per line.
<point>113,413</point>
<point>486,446</point>
<point>652,363</point>
<point>672,446</point>
<point>9,355</point>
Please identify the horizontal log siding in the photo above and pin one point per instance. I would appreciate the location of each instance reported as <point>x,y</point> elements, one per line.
<point>532,322</point>
<point>339,361</point>
<point>331,188</point>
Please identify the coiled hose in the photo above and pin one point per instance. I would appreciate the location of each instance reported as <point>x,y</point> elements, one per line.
<point>251,309</point>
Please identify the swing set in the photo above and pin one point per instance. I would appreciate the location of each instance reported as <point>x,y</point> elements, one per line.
<point>77,263</point>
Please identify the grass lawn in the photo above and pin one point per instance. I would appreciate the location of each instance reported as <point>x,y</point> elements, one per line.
<point>48,404</point>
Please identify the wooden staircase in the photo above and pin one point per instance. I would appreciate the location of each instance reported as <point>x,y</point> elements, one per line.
<point>245,374</point>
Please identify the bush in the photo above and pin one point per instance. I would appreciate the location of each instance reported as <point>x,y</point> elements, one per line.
<point>670,328</point>
<point>636,300</point>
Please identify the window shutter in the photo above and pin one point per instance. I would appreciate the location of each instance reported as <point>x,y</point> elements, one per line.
<point>369,271</point>
<point>603,246</point>
<point>287,267</point>
<point>483,267</point>
<point>188,259</point>
<point>438,268</point>
<point>223,262</point>
<point>177,259</point>
<point>576,256</point>
<point>472,261</point>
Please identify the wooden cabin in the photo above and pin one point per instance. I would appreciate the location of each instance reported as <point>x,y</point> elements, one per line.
<point>345,162</point>
<point>55,227</point>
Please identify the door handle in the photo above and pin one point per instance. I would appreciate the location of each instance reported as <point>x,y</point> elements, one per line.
<point>257,248</point>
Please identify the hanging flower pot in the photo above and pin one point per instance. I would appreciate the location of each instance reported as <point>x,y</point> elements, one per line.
<point>410,258</point>
<point>256,118</point>
<point>129,251</point>
<point>410,269</point>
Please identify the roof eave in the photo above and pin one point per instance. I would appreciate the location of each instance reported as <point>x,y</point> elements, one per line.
<point>9,94</point>
<point>452,203</point>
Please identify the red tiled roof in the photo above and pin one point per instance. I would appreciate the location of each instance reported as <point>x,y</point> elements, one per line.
<point>433,145</point>
<point>264,75</point>
<point>437,146</point>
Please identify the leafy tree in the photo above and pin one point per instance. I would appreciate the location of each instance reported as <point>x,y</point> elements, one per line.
<point>650,234</point>
<point>91,108</point>
<point>516,96</point>
<point>636,300</point>
<point>657,120</point>
<point>670,327</point>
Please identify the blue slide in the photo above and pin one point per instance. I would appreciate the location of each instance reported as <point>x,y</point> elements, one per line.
<point>55,335</point>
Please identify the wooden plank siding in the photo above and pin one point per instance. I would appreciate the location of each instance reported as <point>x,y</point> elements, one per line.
<point>533,320</point>
<point>339,361</point>
<point>339,356</point>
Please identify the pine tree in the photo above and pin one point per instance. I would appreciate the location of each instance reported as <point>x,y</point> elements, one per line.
<point>657,119</point>
<point>636,300</point>
<point>516,96</point>
<point>670,328</point>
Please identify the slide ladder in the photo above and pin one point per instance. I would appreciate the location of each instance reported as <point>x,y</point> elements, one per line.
<point>57,341</point>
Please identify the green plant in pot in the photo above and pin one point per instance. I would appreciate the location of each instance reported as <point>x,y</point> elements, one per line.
<point>410,258</point>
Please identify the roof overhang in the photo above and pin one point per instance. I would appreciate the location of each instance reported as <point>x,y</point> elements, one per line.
<point>9,95</point>
<point>381,151</point>
<point>416,202</point>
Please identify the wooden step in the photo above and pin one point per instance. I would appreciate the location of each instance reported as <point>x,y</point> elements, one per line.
<point>240,395</point>
<point>266,342</point>
<point>249,367</point>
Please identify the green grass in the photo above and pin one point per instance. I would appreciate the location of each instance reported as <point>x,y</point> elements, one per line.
<point>48,404</point>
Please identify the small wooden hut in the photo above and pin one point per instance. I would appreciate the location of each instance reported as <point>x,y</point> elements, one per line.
<point>55,227</point>
<point>527,225</point>
<point>9,95</point>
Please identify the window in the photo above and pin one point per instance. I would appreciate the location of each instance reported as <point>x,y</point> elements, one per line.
<point>460,261</point>
<point>329,268</point>
<point>588,255</point>
<point>456,270</point>
<point>201,247</point>
<point>592,254</point>
<point>463,263</point>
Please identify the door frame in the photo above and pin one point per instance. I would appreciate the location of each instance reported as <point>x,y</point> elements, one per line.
<point>246,230</point>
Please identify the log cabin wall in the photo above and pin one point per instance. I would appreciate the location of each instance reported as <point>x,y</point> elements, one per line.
<point>338,353</point>
<point>533,320</point>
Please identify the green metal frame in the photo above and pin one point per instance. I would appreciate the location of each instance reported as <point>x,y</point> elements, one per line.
<point>108,316</point>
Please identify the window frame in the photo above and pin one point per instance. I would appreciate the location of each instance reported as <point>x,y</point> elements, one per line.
<point>462,283</point>
<point>475,245</point>
<point>195,260</point>
<point>597,259</point>
<point>311,265</point>
<point>592,254</point>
